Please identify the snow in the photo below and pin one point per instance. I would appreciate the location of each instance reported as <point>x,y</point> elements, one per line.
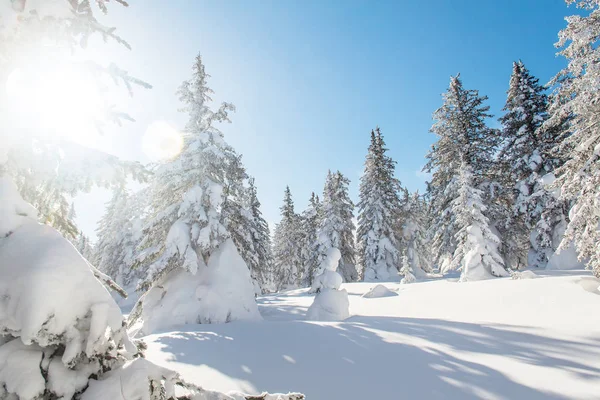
<point>379,291</point>
<point>46,287</point>
<point>221,292</point>
<point>14,211</point>
<point>493,339</point>
<point>524,275</point>
<point>331,303</point>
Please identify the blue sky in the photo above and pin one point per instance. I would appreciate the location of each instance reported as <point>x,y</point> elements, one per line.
<point>310,79</point>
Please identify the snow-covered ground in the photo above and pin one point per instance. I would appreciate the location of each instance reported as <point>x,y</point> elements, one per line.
<point>495,339</point>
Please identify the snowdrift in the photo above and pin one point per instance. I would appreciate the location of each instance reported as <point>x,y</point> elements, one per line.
<point>493,339</point>
<point>220,293</point>
<point>379,291</point>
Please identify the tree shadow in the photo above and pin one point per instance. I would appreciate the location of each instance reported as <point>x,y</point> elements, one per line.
<point>383,357</point>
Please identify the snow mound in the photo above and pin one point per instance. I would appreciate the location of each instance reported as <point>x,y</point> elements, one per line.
<point>221,292</point>
<point>590,284</point>
<point>379,291</point>
<point>524,275</point>
<point>329,305</point>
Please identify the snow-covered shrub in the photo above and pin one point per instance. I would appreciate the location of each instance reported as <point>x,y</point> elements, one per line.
<point>331,304</point>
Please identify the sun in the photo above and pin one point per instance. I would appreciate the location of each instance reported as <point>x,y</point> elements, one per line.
<point>61,101</point>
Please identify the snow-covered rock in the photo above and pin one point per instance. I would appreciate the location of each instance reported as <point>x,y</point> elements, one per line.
<point>379,291</point>
<point>221,292</point>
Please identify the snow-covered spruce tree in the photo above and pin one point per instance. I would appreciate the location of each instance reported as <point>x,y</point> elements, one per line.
<point>406,271</point>
<point>84,246</point>
<point>462,135</point>
<point>287,249</point>
<point>336,228</point>
<point>476,253</point>
<point>119,234</point>
<point>576,96</point>
<point>525,158</point>
<point>261,236</point>
<point>237,215</point>
<point>309,224</point>
<point>192,264</point>
<point>378,210</point>
<point>414,236</point>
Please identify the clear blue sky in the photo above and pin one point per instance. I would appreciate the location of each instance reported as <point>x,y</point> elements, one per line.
<point>310,79</point>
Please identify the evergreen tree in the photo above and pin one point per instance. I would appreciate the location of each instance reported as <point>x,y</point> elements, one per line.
<point>336,228</point>
<point>525,158</point>
<point>193,203</point>
<point>118,235</point>
<point>462,135</point>
<point>261,236</point>
<point>310,223</point>
<point>237,216</point>
<point>476,252</point>
<point>378,212</point>
<point>576,98</point>
<point>414,236</point>
<point>287,249</point>
<point>406,270</point>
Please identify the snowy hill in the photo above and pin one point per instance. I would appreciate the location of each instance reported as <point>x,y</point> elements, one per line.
<point>496,339</point>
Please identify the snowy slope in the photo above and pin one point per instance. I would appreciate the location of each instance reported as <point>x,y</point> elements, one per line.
<point>496,339</point>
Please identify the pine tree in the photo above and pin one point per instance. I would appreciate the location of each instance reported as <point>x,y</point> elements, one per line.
<point>525,158</point>
<point>310,221</point>
<point>336,228</point>
<point>261,237</point>
<point>237,216</point>
<point>378,210</point>
<point>287,248</point>
<point>414,236</point>
<point>118,233</point>
<point>576,98</point>
<point>188,226</point>
<point>406,270</point>
<point>476,252</point>
<point>462,135</point>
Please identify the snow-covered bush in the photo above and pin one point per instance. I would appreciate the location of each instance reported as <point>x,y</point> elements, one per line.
<point>331,303</point>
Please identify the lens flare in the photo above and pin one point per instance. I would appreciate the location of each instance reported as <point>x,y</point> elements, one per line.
<point>162,141</point>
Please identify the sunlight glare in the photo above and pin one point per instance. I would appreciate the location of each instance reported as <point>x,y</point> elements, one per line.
<point>162,141</point>
<point>64,101</point>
